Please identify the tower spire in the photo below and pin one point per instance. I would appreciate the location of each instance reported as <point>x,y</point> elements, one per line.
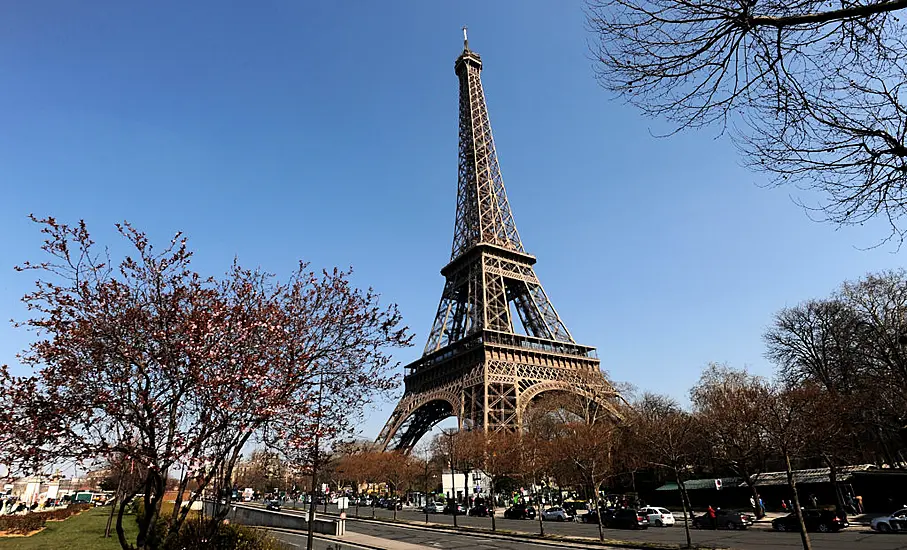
<point>465,39</point>
<point>483,212</point>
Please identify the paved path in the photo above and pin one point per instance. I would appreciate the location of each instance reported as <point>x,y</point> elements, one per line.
<point>350,541</point>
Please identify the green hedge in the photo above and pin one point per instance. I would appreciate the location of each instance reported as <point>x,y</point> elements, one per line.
<point>21,525</point>
<point>63,513</point>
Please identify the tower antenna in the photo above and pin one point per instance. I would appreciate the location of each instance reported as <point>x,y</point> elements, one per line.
<point>465,39</point>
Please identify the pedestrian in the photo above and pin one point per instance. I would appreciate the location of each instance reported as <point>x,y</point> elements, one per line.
<point>814,501</point>
<point>859,500</point>
<point>784,505</point>
<point>713,517</point>
<point>753,505</point>
<point>761,513</point>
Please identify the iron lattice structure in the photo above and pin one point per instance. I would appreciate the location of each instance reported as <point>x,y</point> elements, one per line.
<point>475,366</point>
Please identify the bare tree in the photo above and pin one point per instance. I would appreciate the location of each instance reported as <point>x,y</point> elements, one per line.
<point>499,456</point>
<point>852,344</point>
<point>789,422</point>
<point>815,87</point>
<point>536,458</point>
<point>667,437</point>
<point>727,401</point>
<point>590,449</point>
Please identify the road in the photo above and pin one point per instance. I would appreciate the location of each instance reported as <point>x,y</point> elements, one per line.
<point>758,537</point>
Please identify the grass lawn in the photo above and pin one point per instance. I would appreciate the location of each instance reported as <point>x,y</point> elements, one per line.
<point>84,531</point>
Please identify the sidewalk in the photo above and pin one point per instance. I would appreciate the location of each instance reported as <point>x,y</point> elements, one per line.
<point>375,542</point>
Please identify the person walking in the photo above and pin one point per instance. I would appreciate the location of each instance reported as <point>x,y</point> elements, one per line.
<point>713,517</point>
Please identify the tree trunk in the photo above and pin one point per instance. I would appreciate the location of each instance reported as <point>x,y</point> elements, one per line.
<point>598,514</point>
<point>453,492</point>
<point>121,534</point>
<point>154,492</point>
<point>760,512</point>
<point>684,501</point>
<point>491,510</point>
<point>833,477</point>
<point>804,537</point>
<point>539,512</point>
<point>310,541</point>
<point>116,500</point>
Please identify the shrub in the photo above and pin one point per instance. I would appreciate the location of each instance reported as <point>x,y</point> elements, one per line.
<point>21,525</point>
<point>194,534</point>
<point>63,513</point>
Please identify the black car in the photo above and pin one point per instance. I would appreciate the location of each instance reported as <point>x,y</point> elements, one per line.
<point>592,515</point>
<point>724,519</point>
<point>454,508</point>
<point>520,511</point>
<point>823,521</point>
<point>480,510</point>
<point>625,518</point>
<point>272,505</point>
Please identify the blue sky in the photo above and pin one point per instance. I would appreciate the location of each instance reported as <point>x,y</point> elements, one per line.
<point>326,131</point>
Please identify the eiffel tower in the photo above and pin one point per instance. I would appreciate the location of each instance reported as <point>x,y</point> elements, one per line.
<point>475,366</point>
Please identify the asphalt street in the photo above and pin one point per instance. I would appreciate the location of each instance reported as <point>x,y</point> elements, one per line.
<point>757,537</point>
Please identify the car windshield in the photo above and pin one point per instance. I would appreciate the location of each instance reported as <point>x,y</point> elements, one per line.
<point>663,510</point>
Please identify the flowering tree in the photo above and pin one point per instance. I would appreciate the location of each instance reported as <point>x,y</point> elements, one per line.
<point>151,361</point>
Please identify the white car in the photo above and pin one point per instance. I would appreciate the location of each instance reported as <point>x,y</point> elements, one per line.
<point>895,523</point>
<point>434,508</point>
<point>556,514</point>
<point>658,517</point>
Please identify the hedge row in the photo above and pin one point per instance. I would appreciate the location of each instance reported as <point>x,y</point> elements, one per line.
<point>63,513</point>
<point>21,525</point>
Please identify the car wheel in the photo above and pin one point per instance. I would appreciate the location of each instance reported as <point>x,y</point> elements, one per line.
<point>823,528</point>
<point>777,527</point>
<point>659,523</point>
<point>560,518</point>
<point>884,528</point>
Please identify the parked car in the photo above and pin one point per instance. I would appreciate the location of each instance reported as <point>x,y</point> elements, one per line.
<point>823,521</point>
<point>724,519</point>
<point>520,511</point>
<point>591,516</point>
<point>272,505</point>
<point>894,523</point>
<point>480,510</point>
<point>659,517</point>
<point>451,508</point>
<point>556,513</point>
<point>576,508</point>
<point>392,503</point>
<point>434,508</point>
<point>625,518</point>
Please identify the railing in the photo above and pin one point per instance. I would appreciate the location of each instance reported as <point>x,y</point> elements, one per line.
<point>540,344</point>
<point>503,339</point>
